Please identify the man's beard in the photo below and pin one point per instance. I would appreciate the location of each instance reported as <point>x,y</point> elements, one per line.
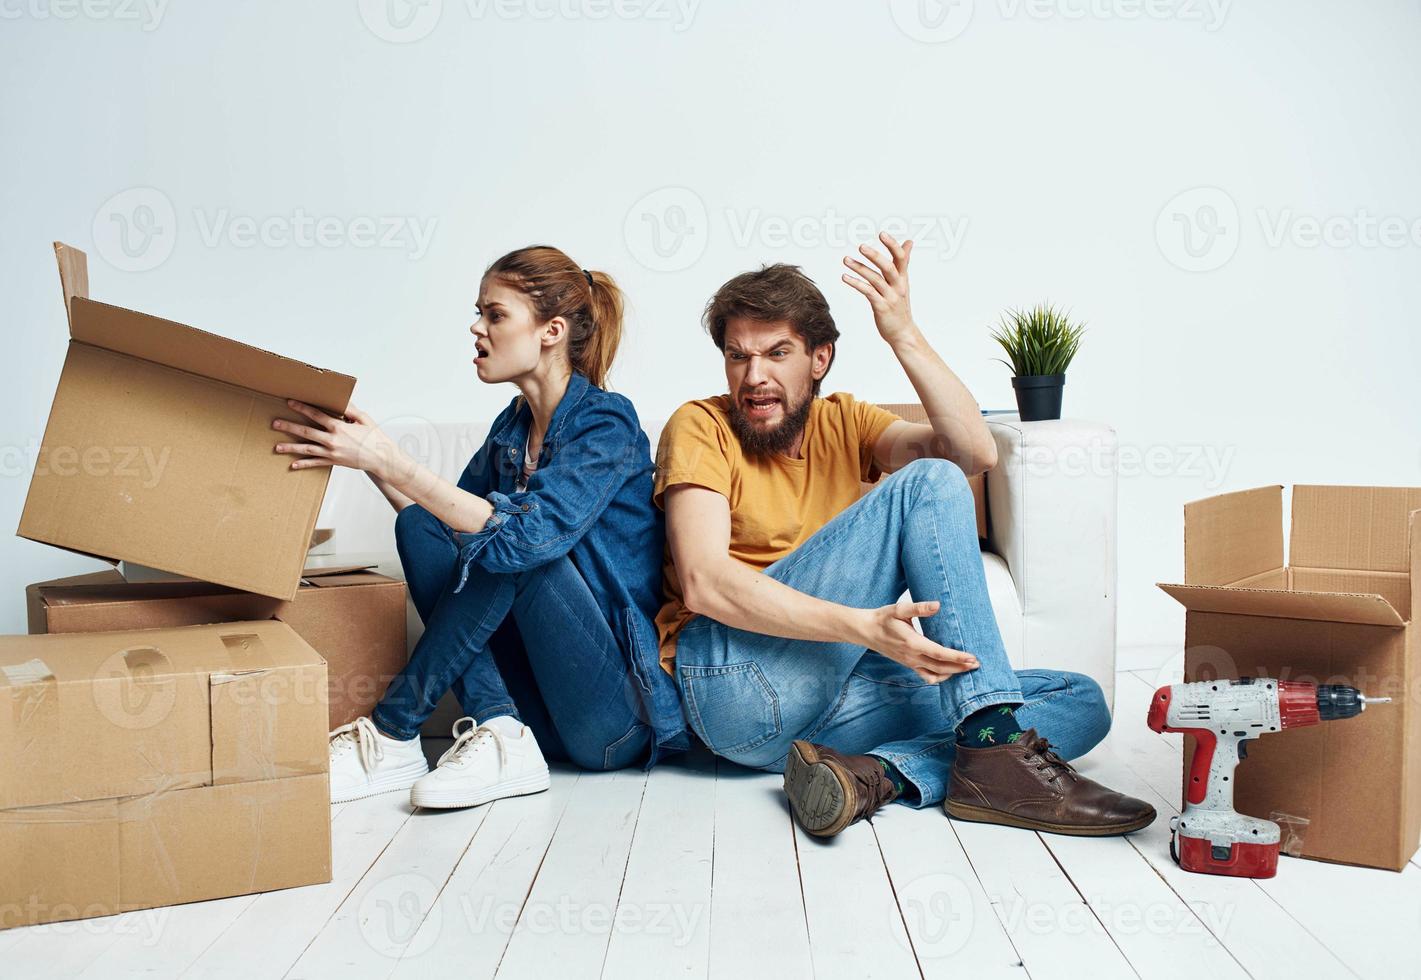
<point>757,441</point>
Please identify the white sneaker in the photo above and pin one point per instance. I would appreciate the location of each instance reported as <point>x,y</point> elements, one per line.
<point>364,762</point>
<point>482,765</point>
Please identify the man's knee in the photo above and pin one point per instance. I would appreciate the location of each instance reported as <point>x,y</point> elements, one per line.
<point>943,478</point>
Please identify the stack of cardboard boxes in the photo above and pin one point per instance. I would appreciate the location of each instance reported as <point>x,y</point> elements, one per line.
<point>165,741</point>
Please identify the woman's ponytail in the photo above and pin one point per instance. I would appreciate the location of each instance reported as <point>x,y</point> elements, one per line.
<point>590,302</point>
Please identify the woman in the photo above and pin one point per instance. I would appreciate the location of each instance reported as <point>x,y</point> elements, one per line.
<point>537,576</point>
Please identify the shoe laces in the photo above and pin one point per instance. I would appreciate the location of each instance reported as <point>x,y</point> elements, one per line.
<point>471,740</point>
<point>364,737</point>
<point>1047,760</point>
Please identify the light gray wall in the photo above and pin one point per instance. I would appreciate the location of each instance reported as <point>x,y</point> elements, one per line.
<point>1055,150</point>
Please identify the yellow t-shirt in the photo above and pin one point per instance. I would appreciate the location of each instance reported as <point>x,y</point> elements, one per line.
<point>776,503</point>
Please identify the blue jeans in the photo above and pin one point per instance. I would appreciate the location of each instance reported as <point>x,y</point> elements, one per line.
<point>748,696</point>
<point>530,644</point>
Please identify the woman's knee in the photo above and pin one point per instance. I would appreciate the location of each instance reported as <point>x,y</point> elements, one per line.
<point>414,522</point>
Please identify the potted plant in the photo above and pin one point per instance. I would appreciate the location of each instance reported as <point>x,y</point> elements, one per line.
<point>1040,343</point>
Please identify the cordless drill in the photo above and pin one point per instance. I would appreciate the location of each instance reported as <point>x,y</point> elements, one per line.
<point>1222,716</point>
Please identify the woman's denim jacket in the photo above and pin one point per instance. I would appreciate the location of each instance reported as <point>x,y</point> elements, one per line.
<point>590,498</point>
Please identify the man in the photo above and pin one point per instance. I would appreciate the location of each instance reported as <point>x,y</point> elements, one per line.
<point>783,627</point>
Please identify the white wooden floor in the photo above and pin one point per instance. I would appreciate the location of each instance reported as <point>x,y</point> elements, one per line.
<point>698,871</point>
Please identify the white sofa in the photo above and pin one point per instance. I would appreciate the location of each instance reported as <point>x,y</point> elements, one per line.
<point>1049,554</point>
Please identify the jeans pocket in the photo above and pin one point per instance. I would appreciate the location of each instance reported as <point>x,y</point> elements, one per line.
<point>627,749</point>
<point>731,707</point>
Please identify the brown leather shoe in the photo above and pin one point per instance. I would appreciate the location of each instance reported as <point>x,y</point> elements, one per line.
<point>828,790</point>
<point>1026,784</point>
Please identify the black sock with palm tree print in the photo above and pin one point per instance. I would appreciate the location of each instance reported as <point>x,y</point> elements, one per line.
<point>994,725</point>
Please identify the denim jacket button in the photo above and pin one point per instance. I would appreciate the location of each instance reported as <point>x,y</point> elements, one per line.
<point>525,507</point>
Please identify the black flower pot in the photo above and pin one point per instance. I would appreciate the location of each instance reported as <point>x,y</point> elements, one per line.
<point>1038,396</point>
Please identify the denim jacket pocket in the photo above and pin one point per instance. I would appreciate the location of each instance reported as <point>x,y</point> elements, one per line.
<point>731,707</point>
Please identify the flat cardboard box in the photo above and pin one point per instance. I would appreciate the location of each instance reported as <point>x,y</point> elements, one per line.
<point>151,767</point>
<point>1338,612</point>
<point>353,617</point>
<point>159,448</point>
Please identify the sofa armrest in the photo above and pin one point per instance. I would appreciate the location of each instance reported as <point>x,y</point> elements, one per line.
<point>1051,504</point>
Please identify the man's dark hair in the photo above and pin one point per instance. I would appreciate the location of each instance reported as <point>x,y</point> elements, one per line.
<point>775,292</point>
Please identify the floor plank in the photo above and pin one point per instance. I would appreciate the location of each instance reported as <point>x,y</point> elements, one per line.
<point>1049,922</point>
<point>382,913</point>
<point>757,907</point>
<point>566,923</point>
<point>465,935</point>
<point>948,915</point>
<point>663,914</point>
<point>855,926</point>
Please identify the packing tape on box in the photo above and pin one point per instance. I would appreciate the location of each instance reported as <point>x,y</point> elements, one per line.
<point>35,688</point>
<point>1291,830</point>
<point>30,672</point>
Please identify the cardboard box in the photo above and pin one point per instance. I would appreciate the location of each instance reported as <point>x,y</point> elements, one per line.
<point>1339,612</point>
<point>151,767</point>
<point>159,448</point>
<point>353,617</point>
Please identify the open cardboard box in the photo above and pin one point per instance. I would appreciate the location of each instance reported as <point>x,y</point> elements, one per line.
<point>159,448</point>
<point>352,616</point>
<point>1340,611</point>
<point>151,767</point>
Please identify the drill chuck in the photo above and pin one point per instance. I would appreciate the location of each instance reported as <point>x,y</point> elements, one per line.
<point>1336,701</point>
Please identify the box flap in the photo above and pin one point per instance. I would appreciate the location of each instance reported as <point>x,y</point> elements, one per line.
<point>1329,607</point>
<point>73,274</point>
<point>1352,527</point>
<point>1233,536</point>
<point>184,348</point>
